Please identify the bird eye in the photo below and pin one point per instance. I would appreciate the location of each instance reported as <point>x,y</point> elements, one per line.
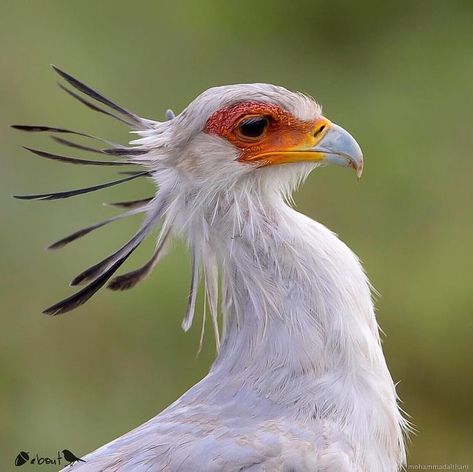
<point>253,127</point>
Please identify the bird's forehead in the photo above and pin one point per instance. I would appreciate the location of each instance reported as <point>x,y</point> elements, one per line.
<point>228,102</point>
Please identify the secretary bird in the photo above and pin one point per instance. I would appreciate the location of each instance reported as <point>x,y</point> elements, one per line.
<point>300,382</point>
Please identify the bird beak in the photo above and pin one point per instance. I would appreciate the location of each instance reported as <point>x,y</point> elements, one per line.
<point>337,146</point>
<point>325,142</point>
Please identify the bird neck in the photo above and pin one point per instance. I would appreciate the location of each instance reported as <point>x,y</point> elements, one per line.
<point>293,294</point>
<point>298,321</point>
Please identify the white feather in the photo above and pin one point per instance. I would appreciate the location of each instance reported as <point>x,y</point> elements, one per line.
<point>190,311</point>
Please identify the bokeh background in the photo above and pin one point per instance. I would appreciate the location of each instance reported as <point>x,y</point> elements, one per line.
<point>398,75</point>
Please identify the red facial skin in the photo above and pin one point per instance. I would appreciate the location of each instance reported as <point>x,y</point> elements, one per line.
<point>285,133</point>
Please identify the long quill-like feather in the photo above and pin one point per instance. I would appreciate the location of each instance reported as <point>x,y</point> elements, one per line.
<point>97,269</point>
<point>94,107</point>
<point>83,231</point>
<point>103,271</point>
<point>131,279</point>
<point>81,191</point>
<point>99,97</point>
<point>74,160</point>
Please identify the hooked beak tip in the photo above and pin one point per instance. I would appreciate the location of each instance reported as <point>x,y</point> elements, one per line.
<point>359,170</point>
<point>340,148</point>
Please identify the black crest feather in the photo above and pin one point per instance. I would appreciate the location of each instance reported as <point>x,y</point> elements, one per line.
<point>97,275</point>
<point>74,160</point>
<point>80,191</point>
<point>97,96</point>
<point>130,279</point>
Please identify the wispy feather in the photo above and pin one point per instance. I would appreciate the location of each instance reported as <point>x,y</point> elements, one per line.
<point>74,160</point>
<point>211,290</point>
<point>192,298</point>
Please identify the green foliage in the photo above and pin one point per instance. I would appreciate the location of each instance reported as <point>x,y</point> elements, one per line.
<point>398,75</point>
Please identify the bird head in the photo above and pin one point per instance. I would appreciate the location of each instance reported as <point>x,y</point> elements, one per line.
<point>234,140</point>
<point>249,132</point>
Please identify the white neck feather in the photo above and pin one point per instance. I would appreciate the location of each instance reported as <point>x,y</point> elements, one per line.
<point>298,319</point>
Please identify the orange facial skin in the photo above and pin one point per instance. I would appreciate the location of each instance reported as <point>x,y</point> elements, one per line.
<point>287,139</point>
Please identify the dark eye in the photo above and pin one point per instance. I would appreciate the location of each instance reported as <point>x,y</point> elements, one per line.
<point>253,127</point>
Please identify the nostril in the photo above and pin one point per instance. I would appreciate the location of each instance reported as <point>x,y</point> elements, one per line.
<point>319,130</point>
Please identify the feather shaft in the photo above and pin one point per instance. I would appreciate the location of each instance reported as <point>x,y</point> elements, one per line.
<point>74,145</point>
<point>84,231</point>
<point>113,151</point>
<point>80,191</point>
<point>52,129</point>
<point>73,160</point>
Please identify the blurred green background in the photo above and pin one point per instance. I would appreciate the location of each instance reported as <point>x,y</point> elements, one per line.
<point>398,75</point>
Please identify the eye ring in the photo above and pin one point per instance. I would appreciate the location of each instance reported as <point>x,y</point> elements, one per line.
<point>252,128</point>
